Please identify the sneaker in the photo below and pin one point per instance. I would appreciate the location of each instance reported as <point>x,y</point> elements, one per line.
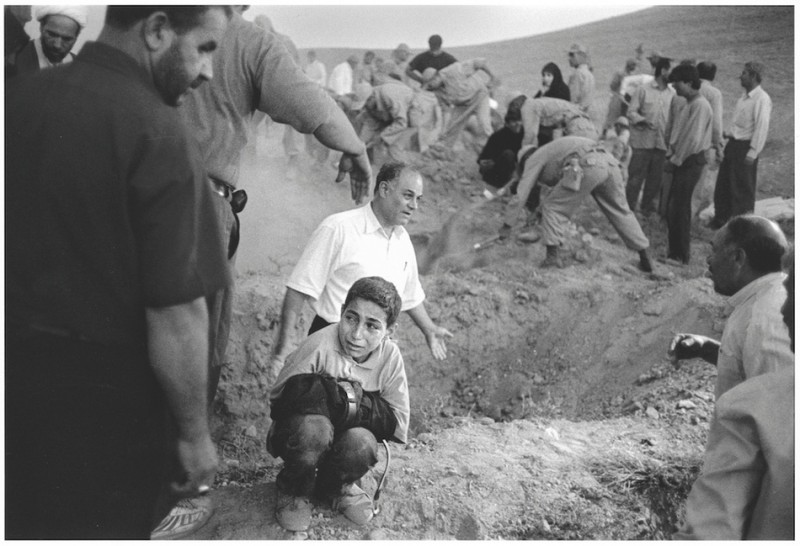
<point>185,518</point>
<point>293,513</point>
<point>354,503</point>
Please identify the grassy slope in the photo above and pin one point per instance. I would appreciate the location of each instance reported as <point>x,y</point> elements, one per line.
<point>727,35</point>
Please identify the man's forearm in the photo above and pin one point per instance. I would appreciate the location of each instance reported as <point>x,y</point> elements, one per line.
<point>290,313</point>
<point>421,318</point>
<point>178,349</point>
<point>338,134</point>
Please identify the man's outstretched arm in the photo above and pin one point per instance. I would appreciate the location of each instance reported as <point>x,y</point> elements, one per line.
<point>434,335</point>
<point>338,134</point>
<point>290,313</point>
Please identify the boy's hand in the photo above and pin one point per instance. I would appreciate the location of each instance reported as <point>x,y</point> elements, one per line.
<point>435,338</point>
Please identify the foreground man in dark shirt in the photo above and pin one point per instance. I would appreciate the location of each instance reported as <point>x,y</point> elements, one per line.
<point>112,249</point>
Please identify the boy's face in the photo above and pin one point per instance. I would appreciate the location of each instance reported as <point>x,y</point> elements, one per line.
<point>362,328</point>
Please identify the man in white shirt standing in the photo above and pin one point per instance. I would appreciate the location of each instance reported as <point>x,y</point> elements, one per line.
<point>315,69</point>
<point>735,192</point>
<point>745,264</point>
<point>362,242</point>
<point>341,80</point>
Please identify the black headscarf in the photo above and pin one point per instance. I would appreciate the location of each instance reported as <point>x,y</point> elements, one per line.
<point>558,89</point>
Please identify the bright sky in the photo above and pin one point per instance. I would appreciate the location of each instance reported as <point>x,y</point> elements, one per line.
<point>385,26</point>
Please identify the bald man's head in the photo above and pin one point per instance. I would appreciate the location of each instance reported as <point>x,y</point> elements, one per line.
<point>760,238</point>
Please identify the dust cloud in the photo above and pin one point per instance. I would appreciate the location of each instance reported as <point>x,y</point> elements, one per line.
<point>282,212</point>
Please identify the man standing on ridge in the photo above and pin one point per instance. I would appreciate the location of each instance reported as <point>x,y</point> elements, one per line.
<point>435,58</point>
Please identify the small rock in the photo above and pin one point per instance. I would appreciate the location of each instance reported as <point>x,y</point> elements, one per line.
<point>486,421</point>
<point>694,420</point>
<point>377,534</point>
<point>545,526</point>
<point>251,432</point>
<point>651,412</point>
<point>537,379</point>
<point>299,535</point>
<point>595,231</point>
<point>587,239</point>
<point>686,404</point>
<point>425,437</point>
<point>553,433</point>
<point>617,401</point>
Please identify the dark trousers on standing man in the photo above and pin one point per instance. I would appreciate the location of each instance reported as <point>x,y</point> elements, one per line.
<point>84,439</point>
<point>735,192</point>
<point>646,168</point>
<point>679,206</point>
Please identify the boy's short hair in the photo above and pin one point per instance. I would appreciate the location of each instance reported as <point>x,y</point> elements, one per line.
<point>380,292</point>
<point>707,70</point>
<point>661,66</point>
<point>685,73</point>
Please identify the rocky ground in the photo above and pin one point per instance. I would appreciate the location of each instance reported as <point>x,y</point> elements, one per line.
<point>557,414</point>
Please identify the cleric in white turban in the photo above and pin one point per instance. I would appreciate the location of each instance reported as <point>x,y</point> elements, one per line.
<point>59,27</point>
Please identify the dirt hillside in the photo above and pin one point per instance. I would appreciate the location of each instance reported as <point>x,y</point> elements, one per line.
<point>556,414</point>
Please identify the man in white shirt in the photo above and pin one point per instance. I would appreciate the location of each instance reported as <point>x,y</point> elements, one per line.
<point>745,264</point>
<point>362,242</point>
<point>315,69</point>
<point>341,80</point>
<point>735,192</point>
<point>581,82</point>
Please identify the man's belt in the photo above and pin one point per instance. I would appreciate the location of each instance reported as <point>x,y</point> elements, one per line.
<point>352,402</point>
<point>237,198</point>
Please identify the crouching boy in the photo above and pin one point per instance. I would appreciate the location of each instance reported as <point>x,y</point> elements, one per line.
<point>341,391</point>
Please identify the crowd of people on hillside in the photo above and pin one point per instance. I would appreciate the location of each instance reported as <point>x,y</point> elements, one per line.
<point>122,214</point>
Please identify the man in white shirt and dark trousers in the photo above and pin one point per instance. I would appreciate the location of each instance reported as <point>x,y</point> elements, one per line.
<point>735,192</point>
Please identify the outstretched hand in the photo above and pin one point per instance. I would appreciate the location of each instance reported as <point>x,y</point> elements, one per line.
<point>435,338</point>
<point>358,167</point>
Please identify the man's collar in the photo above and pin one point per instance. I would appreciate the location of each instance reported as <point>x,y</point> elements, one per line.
<point>373,224</point>
<point>114,59</point>
<point>753,91</point>
<point>753,287</point>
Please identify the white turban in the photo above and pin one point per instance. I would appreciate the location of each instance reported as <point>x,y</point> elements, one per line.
<point>79,14</point>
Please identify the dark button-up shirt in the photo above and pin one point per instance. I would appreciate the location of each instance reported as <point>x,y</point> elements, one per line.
<point>108,210</point>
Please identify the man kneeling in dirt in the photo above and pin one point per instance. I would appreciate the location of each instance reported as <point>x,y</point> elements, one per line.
<point>574,167</point>
<point>341,391</point>
<point>745,264</point>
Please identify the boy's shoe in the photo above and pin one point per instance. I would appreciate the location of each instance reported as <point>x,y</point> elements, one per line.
<point>293,513</point>
<point>354,503</point>
<point>186,517</point>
